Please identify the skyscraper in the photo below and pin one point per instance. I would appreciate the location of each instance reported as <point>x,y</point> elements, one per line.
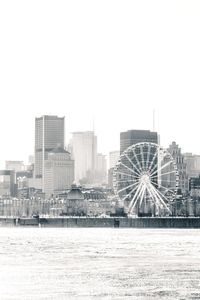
<point>49,134</point>
<point>113,158</point>
<point>101,169</point>
<point>131,137</point>
<point>84,153</point>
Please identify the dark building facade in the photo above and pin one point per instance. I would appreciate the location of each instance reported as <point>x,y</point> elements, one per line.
<point>132,137</point>
<point>194,186</point>
<point>7,183</point>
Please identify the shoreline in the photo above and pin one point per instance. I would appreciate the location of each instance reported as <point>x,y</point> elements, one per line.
<point>105,222</point>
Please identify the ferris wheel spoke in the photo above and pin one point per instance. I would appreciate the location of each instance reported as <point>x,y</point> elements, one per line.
<point>126,174</point>
<point>153,196</point>
<point>141,191</point>
<point>123,189</point>
<point>162,174</point>
<point>142,155</point>
<point>162,167</point>
<point>175,183</point>
<point>153,159</point>
<point>160,195</point>
<point>161,186</point>
<point>136,168</point>
<point>155,168</point>
<point>128,168</point>
<point>142,194</point>
<point>135,165</point>
<point>132,203</point>
<point>138,172</point>
<point>130,193</point>
<point>148,155</point>
<point>138,163</point>
<point>122,181</point>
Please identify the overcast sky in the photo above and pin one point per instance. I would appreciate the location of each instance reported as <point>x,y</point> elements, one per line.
<point>108,61</point>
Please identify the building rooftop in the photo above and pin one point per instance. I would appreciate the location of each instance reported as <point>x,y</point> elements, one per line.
<point>75,193</point>
<point>59,150</point>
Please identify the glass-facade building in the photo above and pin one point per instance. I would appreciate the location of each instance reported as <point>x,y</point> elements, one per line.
<point>132,137</point>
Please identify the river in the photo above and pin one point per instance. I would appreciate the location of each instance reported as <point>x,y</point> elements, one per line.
<point>94,263</point>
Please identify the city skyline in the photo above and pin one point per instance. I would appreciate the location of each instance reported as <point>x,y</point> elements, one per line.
<point>68,137</point>
<point>115,73</point>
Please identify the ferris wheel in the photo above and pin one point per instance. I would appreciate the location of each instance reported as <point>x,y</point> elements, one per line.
<point>146,177</point>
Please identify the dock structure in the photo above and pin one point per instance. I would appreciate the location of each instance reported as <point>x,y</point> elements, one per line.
<point>106,222</point>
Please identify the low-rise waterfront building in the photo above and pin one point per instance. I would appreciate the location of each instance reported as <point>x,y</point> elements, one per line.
<point>75,204</point>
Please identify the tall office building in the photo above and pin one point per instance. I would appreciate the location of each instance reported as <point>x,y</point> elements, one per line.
<point>113,158</point>
<point>101,169</point>
<point>49,134</point>
<point>131,137</point>
<point>84,153</point>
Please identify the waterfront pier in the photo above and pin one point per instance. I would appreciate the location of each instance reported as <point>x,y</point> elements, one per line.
<point>108,222</point>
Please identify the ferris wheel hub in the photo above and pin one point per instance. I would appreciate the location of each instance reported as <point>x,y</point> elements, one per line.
<point>145,179</point>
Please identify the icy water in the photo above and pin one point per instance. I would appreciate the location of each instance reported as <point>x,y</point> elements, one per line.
<point>58,263</point>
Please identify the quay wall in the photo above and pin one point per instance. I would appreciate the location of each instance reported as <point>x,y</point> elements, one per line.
<point>122,222</point>
<point>8,222</point>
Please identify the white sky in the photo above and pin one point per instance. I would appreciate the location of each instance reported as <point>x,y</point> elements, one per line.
<point>111,61</point>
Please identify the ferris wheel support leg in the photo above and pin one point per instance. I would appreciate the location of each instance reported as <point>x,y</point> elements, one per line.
<point>134,199</point>
<point>164,204</point>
